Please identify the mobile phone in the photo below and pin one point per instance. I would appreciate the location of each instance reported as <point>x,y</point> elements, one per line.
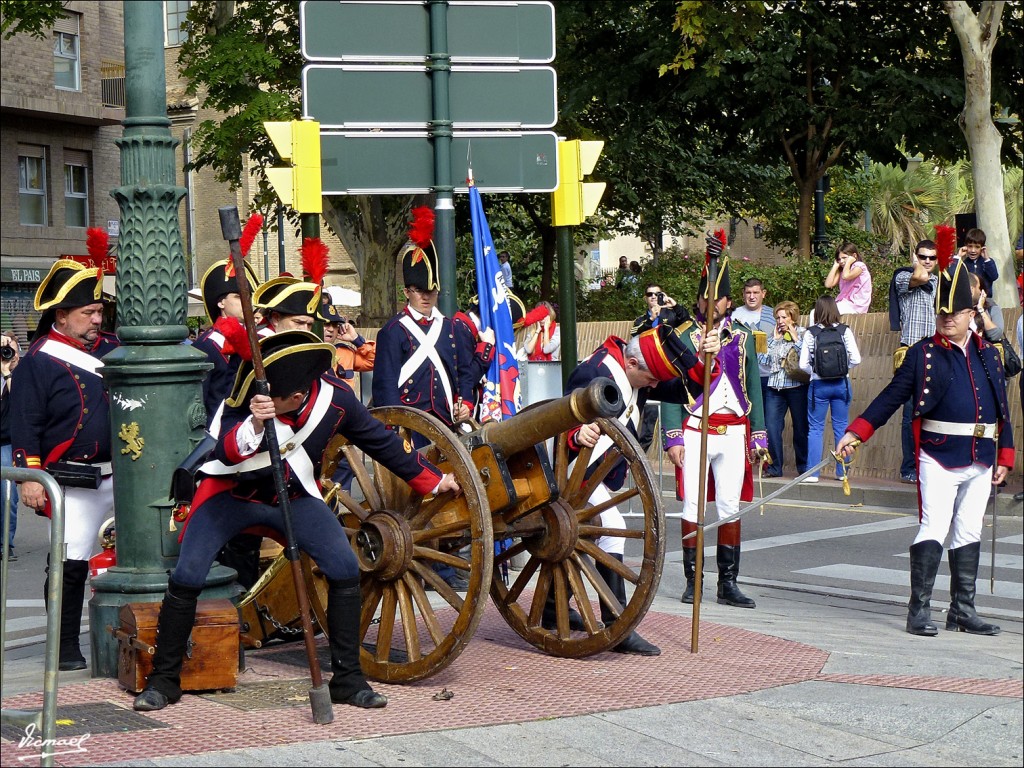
<point>661,299</point>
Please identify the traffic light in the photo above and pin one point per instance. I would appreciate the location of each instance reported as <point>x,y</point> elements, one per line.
<point>298,185</point>
<point>575,200</point>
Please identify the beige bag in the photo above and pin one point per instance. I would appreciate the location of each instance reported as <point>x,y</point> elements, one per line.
<point>791,365</point>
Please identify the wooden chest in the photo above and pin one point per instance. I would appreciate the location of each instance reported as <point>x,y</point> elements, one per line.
<point>211,660</point>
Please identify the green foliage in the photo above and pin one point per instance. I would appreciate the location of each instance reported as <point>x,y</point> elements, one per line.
<point>29,17</point>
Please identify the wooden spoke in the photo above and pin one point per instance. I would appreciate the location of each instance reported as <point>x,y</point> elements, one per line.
<point>595,531</point>
<point>587,513</point>
<point>578,497</point>
<point>365,483</point>
<point>579,471</point>
<point>562,459</point>
<point>409,628</point>
<point>386,628</point>
<point>415,587</point>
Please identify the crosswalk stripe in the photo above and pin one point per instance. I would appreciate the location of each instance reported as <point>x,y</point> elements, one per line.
<point>1012,562</point>
<point>891,576</point>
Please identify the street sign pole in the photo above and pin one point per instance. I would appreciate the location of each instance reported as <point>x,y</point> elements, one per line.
<point>441,130</point>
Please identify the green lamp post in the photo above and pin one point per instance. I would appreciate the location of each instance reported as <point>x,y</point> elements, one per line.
<point>156,409</point>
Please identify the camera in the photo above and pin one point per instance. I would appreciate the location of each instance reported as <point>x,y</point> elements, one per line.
<point>7,353</point>
<point>661,299</point>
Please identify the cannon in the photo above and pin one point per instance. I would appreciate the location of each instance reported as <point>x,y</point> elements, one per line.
<point>521,496</point>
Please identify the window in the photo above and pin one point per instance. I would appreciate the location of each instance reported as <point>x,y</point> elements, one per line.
<point>174,21</point>
<point>66,54</point>
<point>32,185</point>
<point>76,189</point>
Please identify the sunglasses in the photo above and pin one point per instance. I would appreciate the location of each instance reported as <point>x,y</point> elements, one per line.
<point>927,258</point>
<point>651,293</point>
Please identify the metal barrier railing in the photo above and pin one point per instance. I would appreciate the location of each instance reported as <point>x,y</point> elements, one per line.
<point>45,720</point>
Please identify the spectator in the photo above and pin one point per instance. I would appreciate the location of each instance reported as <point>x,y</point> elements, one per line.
<point>976,259</point>
<point>826,394</point>
<point>761,320</point>
<point>622,272</point>
<point>506,268</point>
<point>854,281</point>
<point>8,362</point>
<point>988,317</point>
<point>544,340</point>
<point>784,392</point>
<point>912,298</point>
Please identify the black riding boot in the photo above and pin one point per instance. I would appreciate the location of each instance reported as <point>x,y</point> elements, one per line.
<point>348,684</point>
<point>633,643</point>
<point>76,573</point>
<point>925,557</point>
<point>689,561</point>
<point>173,628</point>
<point>729,567</point>
<point>963,569</point>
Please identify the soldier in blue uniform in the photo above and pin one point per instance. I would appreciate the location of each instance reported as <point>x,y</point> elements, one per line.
<point>421,363</point>
<point>736,438</point>
<point>964,444</point>
<point>60,412</point>
<point>309,405</point>
<point>654,365</point>
<point>226,338</point>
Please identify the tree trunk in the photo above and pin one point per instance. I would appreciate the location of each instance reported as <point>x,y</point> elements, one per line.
<point>805,216</point>
<point>977,36</point>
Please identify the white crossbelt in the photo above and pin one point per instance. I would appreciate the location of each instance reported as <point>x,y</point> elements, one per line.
<point>290,443</point>
<point>427,350</point>
<point>73,356</point>
<point>959,428</point>
<point>631,414</point>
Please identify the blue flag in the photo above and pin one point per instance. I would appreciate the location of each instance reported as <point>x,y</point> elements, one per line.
<point>501,396</point>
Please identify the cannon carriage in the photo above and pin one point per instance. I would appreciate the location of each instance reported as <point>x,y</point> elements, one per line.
<point>521,491</point>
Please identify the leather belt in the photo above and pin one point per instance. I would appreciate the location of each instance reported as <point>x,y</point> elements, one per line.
<point>959,428</point>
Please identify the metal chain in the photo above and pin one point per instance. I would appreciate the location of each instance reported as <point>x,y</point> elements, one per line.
<point>265,613</point>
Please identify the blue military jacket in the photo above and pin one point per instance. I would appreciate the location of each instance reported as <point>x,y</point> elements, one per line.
<point>421,388</point>
<point>947,385</point>
<point>60,408</point>
<point>218,381</point>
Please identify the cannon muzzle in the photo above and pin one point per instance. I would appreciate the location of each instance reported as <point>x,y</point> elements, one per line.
<point>599,399</point>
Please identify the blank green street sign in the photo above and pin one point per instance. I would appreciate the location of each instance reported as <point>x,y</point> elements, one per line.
<point>399,30</point>
<point>402,162</point>
<point>351,96</point>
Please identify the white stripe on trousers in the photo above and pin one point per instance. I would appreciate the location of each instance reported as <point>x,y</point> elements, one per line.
<point>952,497</point>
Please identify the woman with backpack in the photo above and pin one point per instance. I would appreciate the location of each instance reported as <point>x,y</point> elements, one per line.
<point>828,352</point>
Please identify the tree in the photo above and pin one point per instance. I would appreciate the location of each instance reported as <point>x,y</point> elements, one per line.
<point>978,35</point>
<point>29,17</point>
<point>815,85</point>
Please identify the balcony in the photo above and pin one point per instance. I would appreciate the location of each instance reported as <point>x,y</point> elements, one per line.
<point>112,84</point>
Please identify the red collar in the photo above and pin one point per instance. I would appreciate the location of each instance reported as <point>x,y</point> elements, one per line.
<point>58,336</point>
<point>616,348</point>
<point>298,418</point>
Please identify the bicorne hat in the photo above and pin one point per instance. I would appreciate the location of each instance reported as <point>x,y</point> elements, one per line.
<point>218,283</point>
<point>292,361</point>
<point>954,288</point>
<point>419,259</point>
<point>663,351</point>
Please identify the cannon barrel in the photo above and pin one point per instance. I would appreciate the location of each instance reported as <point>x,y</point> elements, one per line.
<point>599,399</point>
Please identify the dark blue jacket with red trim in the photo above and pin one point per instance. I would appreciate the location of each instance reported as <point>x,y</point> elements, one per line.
<point>60,411</point>
<point>947,385</point>
<point>677,390</point>
<point>422,390</point>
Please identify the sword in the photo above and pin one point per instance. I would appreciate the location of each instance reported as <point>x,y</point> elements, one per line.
<point>762,501</point>
<point>992,565</point>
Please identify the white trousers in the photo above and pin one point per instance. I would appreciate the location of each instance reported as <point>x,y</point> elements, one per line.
<point>727,457</point>
<point>84,513</point>
<point>952,497</point>
<point>610,518</point>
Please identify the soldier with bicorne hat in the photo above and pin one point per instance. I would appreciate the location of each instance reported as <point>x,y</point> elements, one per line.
<point>237,491</point>
<point>736,432</point>
<point>655,365</point>
<point>60,413</point>
<point>963,442</point>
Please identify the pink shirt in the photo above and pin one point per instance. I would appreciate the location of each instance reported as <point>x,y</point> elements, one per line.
<point>855,295</point>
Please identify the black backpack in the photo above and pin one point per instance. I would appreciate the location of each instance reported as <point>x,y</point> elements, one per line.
<point>830,358</point>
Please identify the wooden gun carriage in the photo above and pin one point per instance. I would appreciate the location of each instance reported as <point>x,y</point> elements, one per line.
<point>517,493</point>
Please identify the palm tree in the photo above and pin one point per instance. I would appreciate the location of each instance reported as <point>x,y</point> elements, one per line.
<point>903,202</point>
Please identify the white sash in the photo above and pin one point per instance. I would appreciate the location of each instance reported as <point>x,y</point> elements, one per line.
<point>217,338</point>
<point>72,356</point>
<point>427,350</point>
<point>630,414</point>
<point>291,447</point>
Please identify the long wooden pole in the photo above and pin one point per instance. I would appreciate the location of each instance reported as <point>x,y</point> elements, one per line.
<point>702,486</point>
<point>319,695</point>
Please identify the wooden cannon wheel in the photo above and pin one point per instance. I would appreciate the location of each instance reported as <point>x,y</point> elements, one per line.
<point>408,631</point>
<point>560,543</point>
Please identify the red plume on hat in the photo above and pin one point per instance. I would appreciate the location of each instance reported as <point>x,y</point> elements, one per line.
<point>314,259</point>
<point>97,243</point>
<point>252,226</point>
<point>421,231</point>
<point>236,339</point>
<point>945,244</point>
